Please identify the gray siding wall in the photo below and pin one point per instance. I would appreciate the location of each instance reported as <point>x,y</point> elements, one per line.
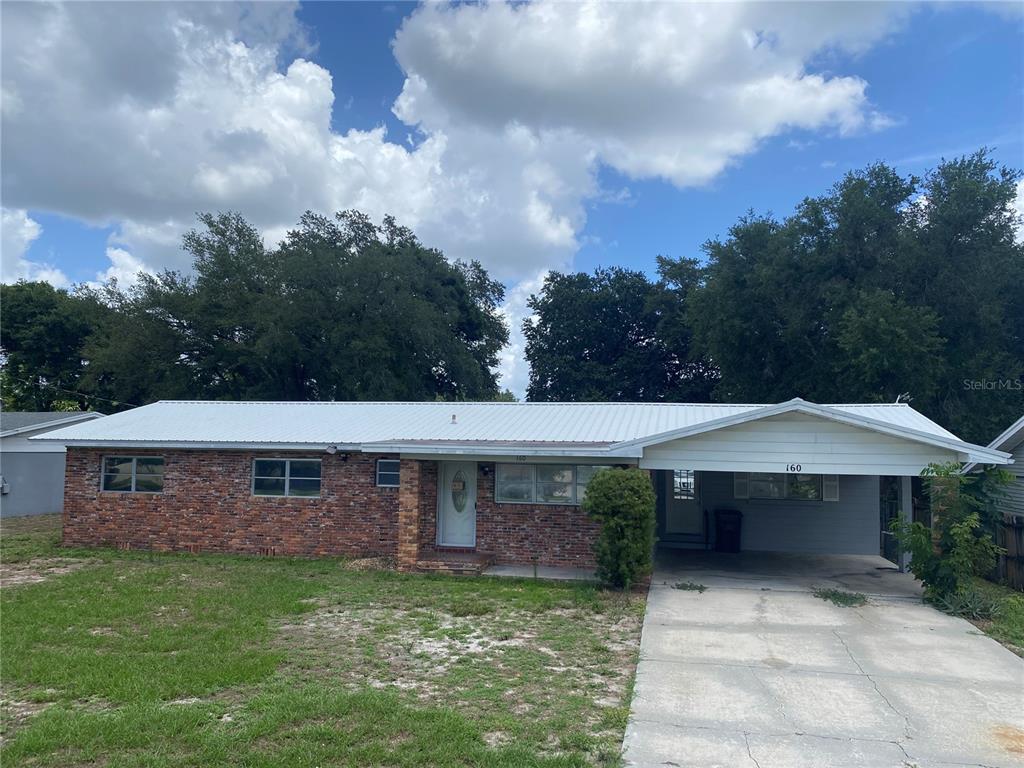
<point>36,482</point>
<point>1015,491</point>
<point>849,526</point>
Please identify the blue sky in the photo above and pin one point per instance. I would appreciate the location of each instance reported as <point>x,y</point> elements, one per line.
<point>503,139</point>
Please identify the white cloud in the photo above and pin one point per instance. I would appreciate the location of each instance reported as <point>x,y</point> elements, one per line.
<point>137,115</point>
<point>19,231</point>
<point>515,372</point>
<point>124,268</point>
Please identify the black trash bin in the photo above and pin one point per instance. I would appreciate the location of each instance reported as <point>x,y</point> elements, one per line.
<point>728,527</point>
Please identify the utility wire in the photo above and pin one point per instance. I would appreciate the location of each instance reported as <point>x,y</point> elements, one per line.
<point>73,392</point>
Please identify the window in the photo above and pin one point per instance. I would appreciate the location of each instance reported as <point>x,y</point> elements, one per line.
<point>798,487</point>
<point>682,484</point>
<point>388,473</point>
<point>286,477</point>
<point>542,483</point>
<point>133,474</point>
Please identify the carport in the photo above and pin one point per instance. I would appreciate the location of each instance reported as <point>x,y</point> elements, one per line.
<point>742,665</point>
<point>800,478</point>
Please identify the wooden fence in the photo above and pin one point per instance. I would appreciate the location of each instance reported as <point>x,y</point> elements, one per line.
<point>1010,536</point>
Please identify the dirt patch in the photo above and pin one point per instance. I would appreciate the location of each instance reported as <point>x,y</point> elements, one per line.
<point>370,564</point>
<point>1009,738</point>
<point>14,713</point>
<point>528,663</point>
<point>34,571</point>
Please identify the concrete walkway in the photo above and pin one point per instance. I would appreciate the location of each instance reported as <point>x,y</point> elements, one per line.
<point>757,671</point>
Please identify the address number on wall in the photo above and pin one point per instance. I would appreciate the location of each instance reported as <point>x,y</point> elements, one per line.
<point>793,467</point>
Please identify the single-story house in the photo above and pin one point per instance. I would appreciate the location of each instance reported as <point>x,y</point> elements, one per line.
<point>503,481</point>
<point>32,473</point>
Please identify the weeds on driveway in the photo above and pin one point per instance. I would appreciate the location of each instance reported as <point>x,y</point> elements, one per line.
<point>172,660</point>
<point>690,586</point>
<point>841,598</point>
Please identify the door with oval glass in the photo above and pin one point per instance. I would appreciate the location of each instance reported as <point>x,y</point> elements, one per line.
<point>456,519</point>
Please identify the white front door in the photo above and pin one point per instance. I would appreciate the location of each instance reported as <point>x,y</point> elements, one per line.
<point>456,507</point>
<point>683,514</point>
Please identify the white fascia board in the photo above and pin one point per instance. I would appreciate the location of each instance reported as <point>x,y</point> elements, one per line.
<point>573,458</point>
<point>968,450</point>
<point>1006,439</point>
<point>208,446</point>
<point>488,451</point>
<point>52,425</point>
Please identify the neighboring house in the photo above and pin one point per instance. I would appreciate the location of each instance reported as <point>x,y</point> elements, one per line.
<point>1012,441</point>
<point>497,481</point>
<point>31,473</point>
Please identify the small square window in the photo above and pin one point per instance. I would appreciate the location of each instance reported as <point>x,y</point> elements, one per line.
<point>388,474</point>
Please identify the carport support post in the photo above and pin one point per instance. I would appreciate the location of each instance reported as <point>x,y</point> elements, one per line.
<point>906,513</point>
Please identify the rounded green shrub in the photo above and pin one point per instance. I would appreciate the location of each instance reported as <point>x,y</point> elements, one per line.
<point>622,501</point>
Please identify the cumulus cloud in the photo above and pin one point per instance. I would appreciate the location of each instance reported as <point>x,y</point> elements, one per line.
<point>17,232</point>
<point>137,115</point>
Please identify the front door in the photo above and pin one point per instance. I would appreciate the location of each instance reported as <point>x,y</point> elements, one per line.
<point>456,518</point>
<point>683,516</point>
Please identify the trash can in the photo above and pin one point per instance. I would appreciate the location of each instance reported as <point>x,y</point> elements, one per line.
<point>728,527</point>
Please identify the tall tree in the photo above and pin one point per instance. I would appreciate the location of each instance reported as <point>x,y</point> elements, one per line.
<point>596,337</point>
<point>43,331</point>
<point>342,309</point>
<point>885,287</point>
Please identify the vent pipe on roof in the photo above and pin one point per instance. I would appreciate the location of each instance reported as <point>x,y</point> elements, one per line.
<point>454,421</point>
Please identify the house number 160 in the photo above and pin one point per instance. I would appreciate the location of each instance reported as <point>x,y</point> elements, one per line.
<point>793,467</point>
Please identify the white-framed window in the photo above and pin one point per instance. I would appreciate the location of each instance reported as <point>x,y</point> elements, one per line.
<point>785,486</point>
<point>388,475</point>
<point>133,474</point>
<point>286,477</point>
<point>542,483</point>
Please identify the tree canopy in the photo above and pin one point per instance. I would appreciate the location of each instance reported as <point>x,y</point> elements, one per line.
<point>341,309</point>
<point>885,287</point>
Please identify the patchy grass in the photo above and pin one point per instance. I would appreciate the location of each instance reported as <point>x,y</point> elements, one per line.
<point>1007,622</point>
<point>690,586</point>
<point>171,660</point>
<point>25,538</point>
<point>841,598</point>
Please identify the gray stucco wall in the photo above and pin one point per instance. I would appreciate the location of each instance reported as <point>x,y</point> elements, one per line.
<point>849,526</point>
<point>36,482</point>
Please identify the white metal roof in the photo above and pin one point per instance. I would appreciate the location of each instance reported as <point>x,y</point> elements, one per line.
<point>555,428</point>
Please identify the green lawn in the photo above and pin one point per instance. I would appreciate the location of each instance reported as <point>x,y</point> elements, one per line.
<point>1007,626</point>
<point>130,659</point>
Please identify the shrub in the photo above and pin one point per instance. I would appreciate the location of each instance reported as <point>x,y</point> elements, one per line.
<point>959,544</point>
<point>622,501</point>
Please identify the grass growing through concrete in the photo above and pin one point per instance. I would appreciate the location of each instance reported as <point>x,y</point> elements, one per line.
<point>168,660</point>
<point>690,586</point>
<point>841,598</point>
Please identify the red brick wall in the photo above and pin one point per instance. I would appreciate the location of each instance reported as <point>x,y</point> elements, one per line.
<point>515,533</point>
<point>560,535</point>
<point>207,504</point>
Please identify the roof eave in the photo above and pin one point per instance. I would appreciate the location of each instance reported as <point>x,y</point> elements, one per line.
<point>798,405</point>
<point>52,425</point>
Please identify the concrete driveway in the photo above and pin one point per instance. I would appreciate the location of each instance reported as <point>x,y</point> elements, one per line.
<point>757,671</point>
